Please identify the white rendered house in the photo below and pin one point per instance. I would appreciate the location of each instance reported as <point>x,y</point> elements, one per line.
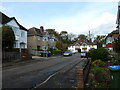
<point>83,46</point>
<point>19,31</point>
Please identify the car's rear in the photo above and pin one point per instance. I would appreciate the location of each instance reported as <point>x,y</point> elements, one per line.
<point>83,54</point>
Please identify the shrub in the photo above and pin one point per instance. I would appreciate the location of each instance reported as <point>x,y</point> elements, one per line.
<point>98,63</point>
<point>116,61</point>
<point>56,52</point>
<point>101,77</point>
<point>99,53</point>
<point>95,69</point>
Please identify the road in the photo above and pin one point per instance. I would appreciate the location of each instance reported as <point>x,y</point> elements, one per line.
<point>32,74</point>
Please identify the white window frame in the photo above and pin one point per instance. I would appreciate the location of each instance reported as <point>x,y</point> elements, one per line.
<point>38,37</point>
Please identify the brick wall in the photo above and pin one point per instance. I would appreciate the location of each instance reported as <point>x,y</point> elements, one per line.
<point>82,74</point>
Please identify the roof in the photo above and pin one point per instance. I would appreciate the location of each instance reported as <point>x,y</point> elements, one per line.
<point>4,19</point>
<point>113,32</point>
<point>34,32</point>
<point>80,42</point>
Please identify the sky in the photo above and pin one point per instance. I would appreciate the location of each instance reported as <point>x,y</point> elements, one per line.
<point>74,17</point>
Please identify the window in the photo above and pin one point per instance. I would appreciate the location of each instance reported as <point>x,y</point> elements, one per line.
<point>38,37</point>
<point>45,38</point>
<point>16,44</point>
<point>22,34</point>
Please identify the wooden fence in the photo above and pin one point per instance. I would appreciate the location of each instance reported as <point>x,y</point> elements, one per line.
<point>10,56</point>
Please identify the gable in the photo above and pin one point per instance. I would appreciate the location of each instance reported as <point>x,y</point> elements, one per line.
<point>77,44</point>
<point>84,44</point>
<point>13,23</point>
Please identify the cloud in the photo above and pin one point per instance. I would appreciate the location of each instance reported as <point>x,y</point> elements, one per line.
<point>82,23</point>
<point>103,24</point>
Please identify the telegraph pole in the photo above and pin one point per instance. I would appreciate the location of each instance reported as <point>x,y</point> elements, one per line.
<point>90,37</point>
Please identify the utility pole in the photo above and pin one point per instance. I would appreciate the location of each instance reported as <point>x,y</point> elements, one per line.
<point>90,37</point>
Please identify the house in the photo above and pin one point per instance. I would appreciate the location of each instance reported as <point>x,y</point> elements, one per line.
<point>19,31</point>
<point>82,46</point>
<point>110,38</point>
<point>35,37</point>
<point>52,41</point>
<point>39,41</point>
<point>118,17</point>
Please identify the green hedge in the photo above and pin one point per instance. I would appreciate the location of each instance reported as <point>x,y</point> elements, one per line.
<point>99,53</point>
<point>56,52</point>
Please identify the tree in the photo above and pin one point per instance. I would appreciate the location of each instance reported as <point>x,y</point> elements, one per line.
<point>116,45</point>
<point>61,46</point>
<point>71,36</point>
<point>82,37</point>
<point>51,31</point>
<point>99,40</point>
<point>64,35</point>
<point>8,37</point>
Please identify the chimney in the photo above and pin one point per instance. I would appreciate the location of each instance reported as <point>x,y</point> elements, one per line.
<point>42,28</point>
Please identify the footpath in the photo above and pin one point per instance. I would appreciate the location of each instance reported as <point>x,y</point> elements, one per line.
<point>35,59</point>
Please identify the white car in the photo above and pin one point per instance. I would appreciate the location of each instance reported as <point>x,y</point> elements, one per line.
<point>83,54</point>
<point>67,53</point>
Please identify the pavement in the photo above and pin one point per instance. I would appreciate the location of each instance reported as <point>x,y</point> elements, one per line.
<point>38,57</point>
<point>34,59</point>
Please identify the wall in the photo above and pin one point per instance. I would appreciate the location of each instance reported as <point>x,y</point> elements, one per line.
<point>32,42</point>
<point>17,32</point>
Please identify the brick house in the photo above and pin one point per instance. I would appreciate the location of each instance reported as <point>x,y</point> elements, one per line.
<point>110,38</point>
<point>39,41</point>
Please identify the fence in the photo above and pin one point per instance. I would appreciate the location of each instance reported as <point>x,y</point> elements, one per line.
<point>10,56</point>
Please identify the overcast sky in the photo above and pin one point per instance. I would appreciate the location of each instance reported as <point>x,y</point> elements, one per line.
<point>73,17</point>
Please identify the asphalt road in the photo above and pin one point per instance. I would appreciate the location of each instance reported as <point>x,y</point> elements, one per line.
<point>32,74</point>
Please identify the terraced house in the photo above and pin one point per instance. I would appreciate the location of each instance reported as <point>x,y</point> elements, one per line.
<point>40,41</point>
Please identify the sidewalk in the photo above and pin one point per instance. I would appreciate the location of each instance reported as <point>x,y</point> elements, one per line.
<point>24,62</point>
<point>38,57</point>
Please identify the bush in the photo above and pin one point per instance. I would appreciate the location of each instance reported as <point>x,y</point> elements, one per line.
<point>101,77</point>
<point>56,52</point>
<point>99,53</point>
<point>98,63</point>
<point>96,69</point>
<point>116,61</point>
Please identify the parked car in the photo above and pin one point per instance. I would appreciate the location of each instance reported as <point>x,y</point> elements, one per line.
<point>73,52</point>
<point>67,53</point>
<point>110,56</point>
<point>83,54</point>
